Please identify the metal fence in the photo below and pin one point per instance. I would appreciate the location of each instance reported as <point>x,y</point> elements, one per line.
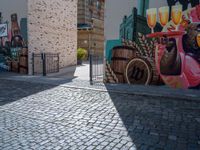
<point>44,63</point>
<point>96,67</point>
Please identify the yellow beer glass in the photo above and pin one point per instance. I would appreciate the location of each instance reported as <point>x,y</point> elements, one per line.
<point>198,39</point>
<point>151,18</point>
<point>164,15</point>
<point>177,15</point>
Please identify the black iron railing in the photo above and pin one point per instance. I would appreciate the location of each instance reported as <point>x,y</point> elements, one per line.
<point>44,63</point>
<point>96,67</point>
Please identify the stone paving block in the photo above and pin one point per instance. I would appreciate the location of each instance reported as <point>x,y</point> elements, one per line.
<point>71,118</point>
<point>172,137</point>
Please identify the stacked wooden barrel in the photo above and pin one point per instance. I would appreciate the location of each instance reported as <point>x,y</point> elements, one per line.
<point>141,70</point>
<point>20,64</point>
<point>131,68</point>
<point>23,61</point>
<point>121,55</point>
<point>19,53</point>
<point>14,66</point>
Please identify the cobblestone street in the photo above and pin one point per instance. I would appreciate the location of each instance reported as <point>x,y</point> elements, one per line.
<point>42,116</point>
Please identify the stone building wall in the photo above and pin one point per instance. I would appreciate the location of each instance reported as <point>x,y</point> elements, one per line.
<point>52,27</point>
<point>91,14</point>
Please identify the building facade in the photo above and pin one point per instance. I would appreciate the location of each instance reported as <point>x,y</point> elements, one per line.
<point>115,10</point>
<point>47,26</point>
<point>91,25</point>
<point>172,60</point>
<point>52,27</point>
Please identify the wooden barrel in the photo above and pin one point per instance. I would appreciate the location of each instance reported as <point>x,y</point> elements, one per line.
<point>15,66</point>
<point>142,71</point>
<point>24,51</point>
<point>23,61</point>
<point>121,55</point>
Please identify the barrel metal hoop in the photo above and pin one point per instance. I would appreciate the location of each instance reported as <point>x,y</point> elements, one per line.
<point>123,47</point>
<point>119,58</point>
<point>119,73</point>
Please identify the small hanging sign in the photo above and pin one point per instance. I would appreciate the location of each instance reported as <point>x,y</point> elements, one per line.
<point>4,30</point>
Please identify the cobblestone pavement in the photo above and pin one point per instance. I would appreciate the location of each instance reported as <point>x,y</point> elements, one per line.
<point>40,116</point>
<point>164,91</point>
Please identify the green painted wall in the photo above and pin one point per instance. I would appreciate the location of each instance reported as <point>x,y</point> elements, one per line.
<point>133,24</point>
<point>143,5</point>
<point>24,28</point>
<point>109,46</point>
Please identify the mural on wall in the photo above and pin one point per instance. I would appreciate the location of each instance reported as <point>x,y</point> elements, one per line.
<point>184,3</point>
<point>158,51</point>
<point>13,47</point>
<point>3,30</point>
<point>178,58</point>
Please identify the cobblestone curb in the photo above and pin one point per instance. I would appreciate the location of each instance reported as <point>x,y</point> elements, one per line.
<point>153,91</point>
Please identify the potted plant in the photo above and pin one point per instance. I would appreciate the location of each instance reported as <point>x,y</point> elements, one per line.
<point>81,55</point>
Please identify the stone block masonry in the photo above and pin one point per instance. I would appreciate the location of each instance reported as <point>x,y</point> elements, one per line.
<point>52,27</point>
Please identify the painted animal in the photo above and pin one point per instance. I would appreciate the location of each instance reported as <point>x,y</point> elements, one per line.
<point>178,62</point>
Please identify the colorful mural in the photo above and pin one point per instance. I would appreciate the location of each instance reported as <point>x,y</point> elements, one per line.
<point>159,51</point>
<point>178,59</point>
<point>13,46</point>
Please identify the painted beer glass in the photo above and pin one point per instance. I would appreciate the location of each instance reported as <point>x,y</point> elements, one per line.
<point>151,18</point>
<point>164,15</point>
<point>177,15</point>
<point>198,40</point>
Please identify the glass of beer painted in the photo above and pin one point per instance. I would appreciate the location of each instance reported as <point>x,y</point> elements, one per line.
<point>198,39</point>
<point>177,15</point>
<point>164,15</point>
<point>151,18</point>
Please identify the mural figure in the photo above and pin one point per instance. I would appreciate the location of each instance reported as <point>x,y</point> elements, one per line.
<point>170,63</point>
<point>185,3</point>
<point>170,54</point>
<point>178,60</point>
<point>13,51</point>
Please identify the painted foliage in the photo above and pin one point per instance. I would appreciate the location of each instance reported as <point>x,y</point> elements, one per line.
<point>159,51</point>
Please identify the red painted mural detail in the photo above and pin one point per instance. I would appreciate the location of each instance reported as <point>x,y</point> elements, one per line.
<point>178,61</point>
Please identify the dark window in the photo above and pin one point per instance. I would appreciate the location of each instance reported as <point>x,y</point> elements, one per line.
<point>91,14</point>
<point>90,2</point>
<point>98,5</point>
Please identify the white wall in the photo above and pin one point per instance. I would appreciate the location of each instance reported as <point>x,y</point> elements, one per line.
<point>114,13</point>
<point>8,7</point>
<point>157,3</point>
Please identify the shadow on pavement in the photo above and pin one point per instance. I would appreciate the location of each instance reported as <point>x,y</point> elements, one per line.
<point>11,90</point>
<point>159,123</point>
<point>14,87</point>
<point>9,81</point>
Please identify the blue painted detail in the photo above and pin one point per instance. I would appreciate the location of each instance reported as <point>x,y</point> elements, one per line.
<point>109,46</point>
<point>146,6</point>
<point>15,52</point>
<point>128,26</point>
<point>24,28</point>
<point>2,58</point>
<point>133,24</point>
<point>84,26</point>
<point>2,63</point>
<point>143,5</point>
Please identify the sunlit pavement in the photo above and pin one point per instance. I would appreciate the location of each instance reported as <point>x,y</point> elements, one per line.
<point>48,116</point>
<point>80,72</point>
